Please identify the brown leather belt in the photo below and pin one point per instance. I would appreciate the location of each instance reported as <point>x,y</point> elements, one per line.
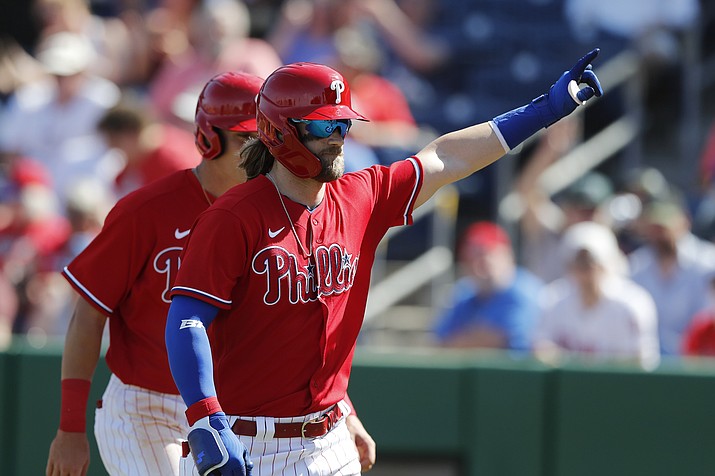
<point>315,428</point>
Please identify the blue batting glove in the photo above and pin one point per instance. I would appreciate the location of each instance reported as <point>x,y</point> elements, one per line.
<point>564,96</point>
<point>216,450</point>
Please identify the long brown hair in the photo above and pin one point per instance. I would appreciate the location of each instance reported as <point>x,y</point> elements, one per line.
<point>256,159</point>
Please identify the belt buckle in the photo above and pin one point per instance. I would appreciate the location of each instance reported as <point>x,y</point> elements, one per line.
<point>306,423</point>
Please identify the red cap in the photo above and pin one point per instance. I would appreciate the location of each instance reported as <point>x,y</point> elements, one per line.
<point>486,234</point>
<point>27,171</point>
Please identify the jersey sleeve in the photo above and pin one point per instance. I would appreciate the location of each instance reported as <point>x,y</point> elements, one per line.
<point>103,272</point>
<point>203,277</point>
<point>393,190</point>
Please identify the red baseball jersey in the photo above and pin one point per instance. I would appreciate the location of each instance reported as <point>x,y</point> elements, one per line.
<point>284,337</point>
<point>127,272</point>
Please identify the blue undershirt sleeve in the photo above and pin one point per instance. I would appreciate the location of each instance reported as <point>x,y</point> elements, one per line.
<point>188,348</point>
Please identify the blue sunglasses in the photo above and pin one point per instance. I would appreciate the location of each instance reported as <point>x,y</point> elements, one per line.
<point>323,129</point>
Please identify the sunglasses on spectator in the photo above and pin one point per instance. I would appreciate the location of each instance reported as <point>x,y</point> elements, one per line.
<point>323,129</point>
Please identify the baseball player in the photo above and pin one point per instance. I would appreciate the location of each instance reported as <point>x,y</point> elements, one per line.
<point>126,273</point>
<point>278,270</point>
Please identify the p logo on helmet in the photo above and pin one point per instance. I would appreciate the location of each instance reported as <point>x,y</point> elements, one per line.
<point>337,86</point>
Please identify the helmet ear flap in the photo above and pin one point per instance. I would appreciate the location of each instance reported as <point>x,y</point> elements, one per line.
<point>270,134</point>
<point>207,140</point>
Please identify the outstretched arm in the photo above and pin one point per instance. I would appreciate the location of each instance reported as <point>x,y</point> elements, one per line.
<point>458,154</point>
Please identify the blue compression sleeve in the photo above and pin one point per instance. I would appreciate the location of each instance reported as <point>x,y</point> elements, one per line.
<point>188,347</point>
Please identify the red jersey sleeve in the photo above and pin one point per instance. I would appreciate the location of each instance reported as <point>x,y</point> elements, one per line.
<point>103,272</point>
<point>200,276</point>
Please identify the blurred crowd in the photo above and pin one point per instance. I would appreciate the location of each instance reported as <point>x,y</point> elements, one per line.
<point>604,271</point>
<point>97,98</point>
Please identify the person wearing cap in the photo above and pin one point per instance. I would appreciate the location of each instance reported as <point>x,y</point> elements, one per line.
<point>595,312</point>
<point>674,265</point>
<point>495,303</point>
<point>53,120</point>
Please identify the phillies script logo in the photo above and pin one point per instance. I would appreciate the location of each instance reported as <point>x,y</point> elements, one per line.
<point>333,273</point>
<point>167,262</point>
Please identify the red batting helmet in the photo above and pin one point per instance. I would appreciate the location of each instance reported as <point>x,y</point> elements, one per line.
<point>228,102</point>
<point>300,91</point>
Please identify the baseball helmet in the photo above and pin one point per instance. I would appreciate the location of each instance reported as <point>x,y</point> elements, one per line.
<point>228,102</point>
<point>300,91</point>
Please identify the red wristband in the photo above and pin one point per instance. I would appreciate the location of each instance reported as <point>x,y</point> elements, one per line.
<point>73,409</point>
<point>202,408</point>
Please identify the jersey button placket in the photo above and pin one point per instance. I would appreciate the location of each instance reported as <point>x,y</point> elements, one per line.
<point>316,231</point>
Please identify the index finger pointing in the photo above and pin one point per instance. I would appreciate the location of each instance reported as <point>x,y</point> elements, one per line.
<point>582,63</point>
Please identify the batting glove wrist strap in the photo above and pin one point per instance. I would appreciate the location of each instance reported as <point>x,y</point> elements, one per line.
<point>202,408</point>
<point>73,413</point>
<point>215,447</point>
<point>564,96</point>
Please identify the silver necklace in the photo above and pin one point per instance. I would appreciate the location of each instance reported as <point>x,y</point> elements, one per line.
<point>306,254</point>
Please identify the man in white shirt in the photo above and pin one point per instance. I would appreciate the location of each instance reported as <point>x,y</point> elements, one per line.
<point>594,311</point>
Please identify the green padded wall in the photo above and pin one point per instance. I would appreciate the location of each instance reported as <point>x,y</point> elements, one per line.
<point>489,416</point>
<point>504,416</point>
<point>409,403</point>
<point>624,423</point>
<point>37,400</point>
<point>8,382</point>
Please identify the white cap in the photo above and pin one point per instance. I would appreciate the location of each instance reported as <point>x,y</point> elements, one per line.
<point>599,241</point>
<point>65,53</point>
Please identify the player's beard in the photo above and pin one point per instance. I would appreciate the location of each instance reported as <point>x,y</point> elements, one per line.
<point>333,164</point>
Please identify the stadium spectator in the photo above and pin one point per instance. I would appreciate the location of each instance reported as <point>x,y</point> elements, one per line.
<point>305,30</point>
<point>699,336</point>
<point>160,31</point>
<point>420,45</point>
<point>31,238</point>
<point>117,56</point>
<point>150,149</point>
<point>54,121</point>
<point>674,265</point>
<point>595,312</point>
<point>544,217</point>
<point>218,41</point>
<point>495,303</point>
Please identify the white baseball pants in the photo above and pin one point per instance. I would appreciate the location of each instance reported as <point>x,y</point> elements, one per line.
<point>139,431</point>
